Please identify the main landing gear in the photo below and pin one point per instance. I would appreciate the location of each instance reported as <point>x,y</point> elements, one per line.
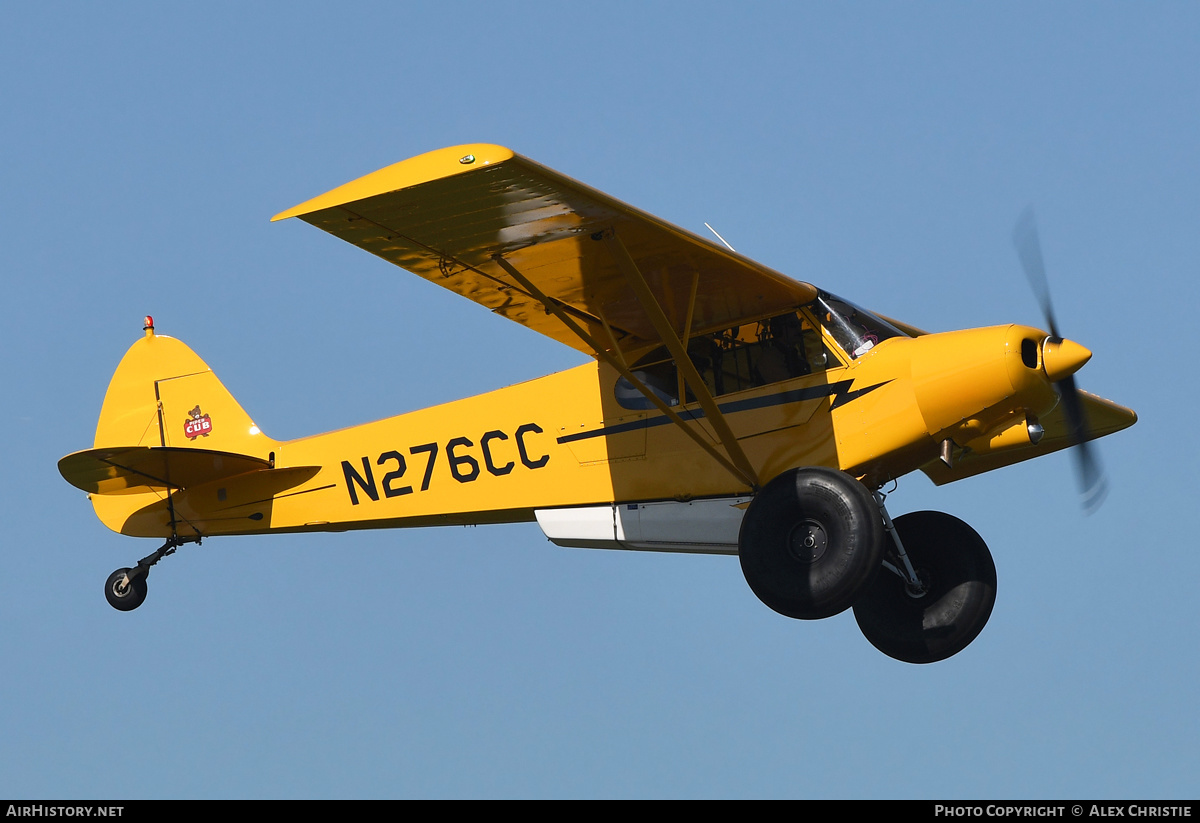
<point>125,589</point>
<point>810,541</point>
<point>815,542</point>
<point>949,604</point>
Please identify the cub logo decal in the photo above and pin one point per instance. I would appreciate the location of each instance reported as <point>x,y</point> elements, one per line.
<point>197,424</point>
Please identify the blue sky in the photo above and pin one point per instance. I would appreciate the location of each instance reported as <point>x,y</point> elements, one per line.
<point>882,151</point>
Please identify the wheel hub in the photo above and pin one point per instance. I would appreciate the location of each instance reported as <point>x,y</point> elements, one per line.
<point>921,589</point>
<point>807,541</point>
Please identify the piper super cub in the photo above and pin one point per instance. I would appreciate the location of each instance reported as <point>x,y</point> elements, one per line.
<point>729,409</point>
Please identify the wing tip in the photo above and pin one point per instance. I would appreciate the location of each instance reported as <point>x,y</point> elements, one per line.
<point>423,168</point>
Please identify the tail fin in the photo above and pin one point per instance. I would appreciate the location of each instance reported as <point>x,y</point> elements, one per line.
<point>164,395</point>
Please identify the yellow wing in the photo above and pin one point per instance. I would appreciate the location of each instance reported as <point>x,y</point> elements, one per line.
<point>467,217</point>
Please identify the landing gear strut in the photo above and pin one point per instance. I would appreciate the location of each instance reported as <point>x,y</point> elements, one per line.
<point>125,589</point>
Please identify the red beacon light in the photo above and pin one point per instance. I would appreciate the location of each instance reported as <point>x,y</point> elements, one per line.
<point>148,326</point>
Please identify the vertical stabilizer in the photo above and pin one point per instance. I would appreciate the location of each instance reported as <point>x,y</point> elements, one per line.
<point>163,394</point>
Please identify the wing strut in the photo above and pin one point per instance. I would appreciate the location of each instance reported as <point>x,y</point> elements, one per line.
<point>682,362</point>
<point>746,475</point>
<point>687,324</point>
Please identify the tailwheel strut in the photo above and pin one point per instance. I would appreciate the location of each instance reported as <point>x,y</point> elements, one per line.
<point>125,589</point>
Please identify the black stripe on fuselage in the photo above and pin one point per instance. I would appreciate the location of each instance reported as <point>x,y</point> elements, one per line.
<point>839,391</point>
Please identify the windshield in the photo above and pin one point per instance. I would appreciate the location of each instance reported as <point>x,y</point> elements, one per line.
<point>854,328</point>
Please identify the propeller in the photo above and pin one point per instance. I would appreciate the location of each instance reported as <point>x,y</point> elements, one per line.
<point>1092,483</point>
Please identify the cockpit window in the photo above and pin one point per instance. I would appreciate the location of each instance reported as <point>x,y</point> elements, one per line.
<point>854,328</point>
<point>772,350</point>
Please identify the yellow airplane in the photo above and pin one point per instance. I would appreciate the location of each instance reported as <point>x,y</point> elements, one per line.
<point>729,409</point>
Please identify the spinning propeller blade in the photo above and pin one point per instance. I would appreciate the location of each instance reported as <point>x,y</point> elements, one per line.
<point>1092,483</point>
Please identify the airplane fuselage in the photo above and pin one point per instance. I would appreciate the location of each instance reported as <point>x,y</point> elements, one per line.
<point>565,440</point>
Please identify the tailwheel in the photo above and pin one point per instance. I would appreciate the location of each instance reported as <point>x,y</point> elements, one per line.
<point>940,616</point>
<point>125,590</point>
<point>810,541</point>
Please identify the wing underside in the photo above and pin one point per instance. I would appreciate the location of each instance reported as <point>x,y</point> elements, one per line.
<point>508,233</point>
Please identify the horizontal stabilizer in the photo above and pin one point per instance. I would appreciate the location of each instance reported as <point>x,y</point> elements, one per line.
<point>135,469</point>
